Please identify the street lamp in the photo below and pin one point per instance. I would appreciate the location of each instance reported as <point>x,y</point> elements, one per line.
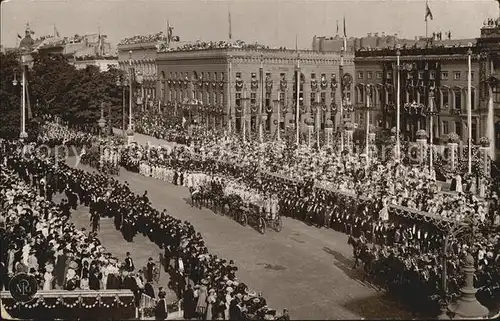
<point>25,61</point>
<point>277,102</point>
<point>101,122</point>
<point>123,83</point>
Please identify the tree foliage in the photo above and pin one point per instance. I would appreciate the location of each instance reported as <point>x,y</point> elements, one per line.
<point>74,95</point>
<point>57,88</point>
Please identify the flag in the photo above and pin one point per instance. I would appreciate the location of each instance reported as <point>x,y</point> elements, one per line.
<point>428,12</point>
<point>230,29</point>
<point>19,36</point>
<point>345,37</point>
<point>345,33</point>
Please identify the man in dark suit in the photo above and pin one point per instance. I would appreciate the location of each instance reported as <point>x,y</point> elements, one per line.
<point>161,312</point>
<point>129,263</point>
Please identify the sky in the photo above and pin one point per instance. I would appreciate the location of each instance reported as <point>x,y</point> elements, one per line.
<point>269,22</point>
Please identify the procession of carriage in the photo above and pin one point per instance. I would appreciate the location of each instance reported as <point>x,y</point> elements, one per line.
<point>235,207</point>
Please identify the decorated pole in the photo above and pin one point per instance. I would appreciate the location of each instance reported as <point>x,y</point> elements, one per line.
<point>318,125</point>
<point>297,112</point>
<point>261,101</point>
<point>469,110</point>
<point>398,105</point>
<point>368,95</point>
<point>341,117</point>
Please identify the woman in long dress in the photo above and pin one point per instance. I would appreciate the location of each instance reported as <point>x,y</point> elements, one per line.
<point>48,277</point>
<point>210,302</point>
<point>201,305</point>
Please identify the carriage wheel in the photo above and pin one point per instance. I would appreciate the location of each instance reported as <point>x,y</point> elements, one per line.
<point>243,219</point>
<point>278,224</point>
<point>262,225</point>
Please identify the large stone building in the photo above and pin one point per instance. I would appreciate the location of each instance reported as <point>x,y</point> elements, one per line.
<point>219,82</point>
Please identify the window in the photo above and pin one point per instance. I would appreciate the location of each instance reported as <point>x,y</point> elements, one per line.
<point>458,128</point>
<point>282,97</point>
<point>360,75</point>
<point>389,75</point>
<point>474,132</point>
<point>420,75</point>
<point>473,99</point>
<point>313,98</point>
<point>221,98</point>
<point>214,98</point>
<point>313,76</point>
<point>238,99</point>
<point>238,75</point>
<point>446,130</point>
<point>369,75</point>
<point>444,75</point>
<point>458,99</point>
<point>332,95</point>
<point>456,75</point>
<point>221,76</point>
<point>282,76</point>
<point>496,94</point>
<point>268,99</point>
<point>446,98</point>
<point>254,75</point>
<point>378,74</point>
<point>432,74</point>
<point>361,95</point>
<point>323,98</point>
<point>253,98</point>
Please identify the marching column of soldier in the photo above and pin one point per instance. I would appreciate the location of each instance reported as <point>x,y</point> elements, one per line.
<point>185,252</point>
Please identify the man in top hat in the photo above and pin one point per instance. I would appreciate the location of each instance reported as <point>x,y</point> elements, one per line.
<point>129,263</point>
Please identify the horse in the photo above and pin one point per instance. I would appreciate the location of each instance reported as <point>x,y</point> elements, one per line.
<point>196,197</point>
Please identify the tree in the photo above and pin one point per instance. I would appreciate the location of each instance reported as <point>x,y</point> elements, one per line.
<point>74,95</point>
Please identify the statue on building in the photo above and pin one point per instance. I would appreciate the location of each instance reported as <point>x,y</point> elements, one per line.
<point>27,42</point>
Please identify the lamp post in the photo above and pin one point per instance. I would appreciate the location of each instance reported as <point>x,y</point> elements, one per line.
<point>130,100</point>
<point>277,102</point>
<point>25,61</point>
<point>398,104</point>
<point>123,83</point>
<point>245,100</point>
<point>368,97</point>
<point>101,122</point>
<point>432,113</point>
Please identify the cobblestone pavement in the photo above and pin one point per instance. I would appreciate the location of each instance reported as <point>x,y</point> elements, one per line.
<point>303,268</point>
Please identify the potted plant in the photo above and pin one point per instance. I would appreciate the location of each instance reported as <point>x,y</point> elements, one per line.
<point>349,126</point>
<point>453,138</point>
<point>484,142</point>
<point>421,134</point>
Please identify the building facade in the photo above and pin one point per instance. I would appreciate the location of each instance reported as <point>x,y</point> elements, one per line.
<point>141,59</point>
<point>433,83</point>
<point>224,85</point>
<point>489,76</point>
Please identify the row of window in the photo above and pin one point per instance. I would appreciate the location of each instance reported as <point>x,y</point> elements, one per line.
<point>455,98</point>
<point>457,75</point>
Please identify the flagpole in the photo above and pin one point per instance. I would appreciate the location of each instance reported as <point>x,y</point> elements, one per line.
<point>426,22</point>
<point>297,112</point>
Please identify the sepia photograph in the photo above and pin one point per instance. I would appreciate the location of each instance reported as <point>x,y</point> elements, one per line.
<point>249,160</point>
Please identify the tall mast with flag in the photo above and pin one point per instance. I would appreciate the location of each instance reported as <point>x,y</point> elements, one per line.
<point>345,37</point>
<point>230,25</point>
<point>428,14</point>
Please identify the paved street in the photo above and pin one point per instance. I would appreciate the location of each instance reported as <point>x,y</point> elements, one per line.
<point>304,269</point>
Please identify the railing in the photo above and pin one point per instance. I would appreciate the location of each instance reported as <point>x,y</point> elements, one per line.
<point>59,304</point>
<point>148,304</point>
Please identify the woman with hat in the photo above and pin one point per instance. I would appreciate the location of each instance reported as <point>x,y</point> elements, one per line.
<point>211,299</point>
<point>201,305</point>
<point>161,311</point>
